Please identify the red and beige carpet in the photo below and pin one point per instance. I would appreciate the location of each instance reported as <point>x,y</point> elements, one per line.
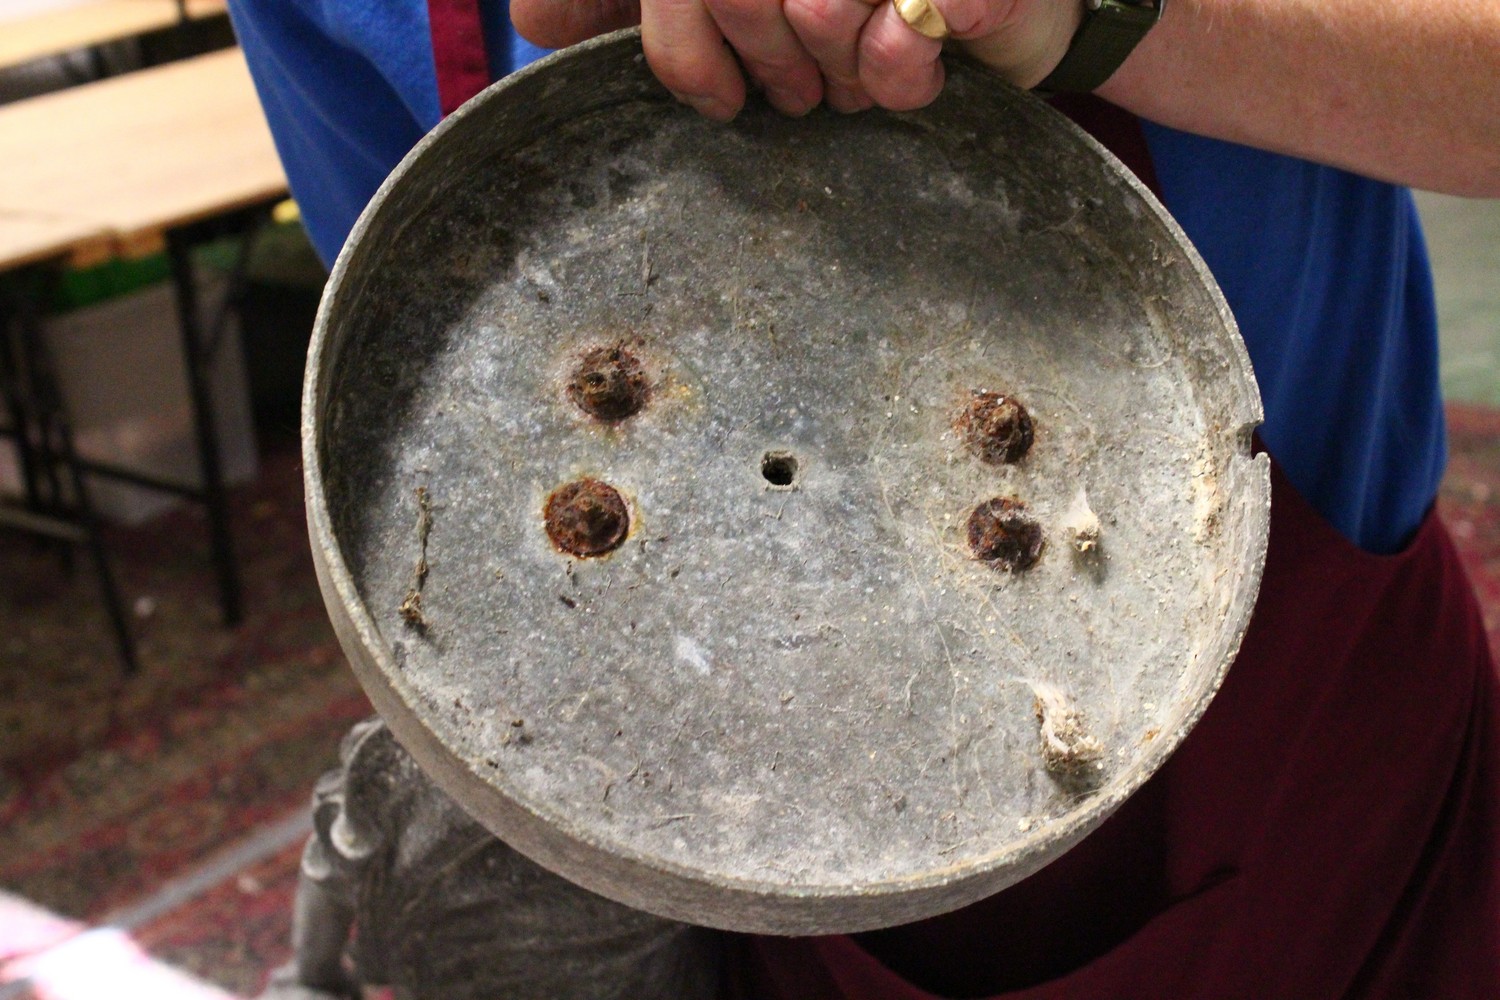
<point>130,803</point>
<point>151,828</point>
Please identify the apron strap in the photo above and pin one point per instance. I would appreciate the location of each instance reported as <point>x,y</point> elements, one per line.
<point>458,52</point>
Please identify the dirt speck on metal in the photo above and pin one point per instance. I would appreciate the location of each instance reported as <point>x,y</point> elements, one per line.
<point>1072,755</point>
<point>1081,525</point>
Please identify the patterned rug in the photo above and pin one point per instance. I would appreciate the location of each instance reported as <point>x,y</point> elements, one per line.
<point>110,788</point>
<point>110,791</point>
<point>236,933</point>
<point>1470,503</point>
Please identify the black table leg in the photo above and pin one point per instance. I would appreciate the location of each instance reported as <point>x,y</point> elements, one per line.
<point>195,360</point>
<point>29,384</point>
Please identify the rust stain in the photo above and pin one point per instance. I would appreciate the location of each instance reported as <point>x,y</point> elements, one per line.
<point>609,383</point>
<point>1002,534</point>
<point>586,518</point>
<point>996,427</point>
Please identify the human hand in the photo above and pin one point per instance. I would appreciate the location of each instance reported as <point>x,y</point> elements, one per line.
<point>853,54</point>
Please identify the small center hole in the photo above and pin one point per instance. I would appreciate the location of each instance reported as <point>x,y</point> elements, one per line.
<point>779,467</point>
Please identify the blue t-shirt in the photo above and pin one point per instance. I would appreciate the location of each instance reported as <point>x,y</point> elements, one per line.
<point>349,87</point>
<point>1326,272</point>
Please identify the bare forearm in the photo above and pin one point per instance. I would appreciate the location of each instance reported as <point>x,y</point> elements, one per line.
<point>1403,90</point>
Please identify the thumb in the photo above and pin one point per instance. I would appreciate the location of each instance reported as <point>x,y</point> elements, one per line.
<point>553,24</point>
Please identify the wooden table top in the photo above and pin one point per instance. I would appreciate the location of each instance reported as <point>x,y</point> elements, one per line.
<point>30,239</point>
<point>90,23</point>
<point>139,154</point>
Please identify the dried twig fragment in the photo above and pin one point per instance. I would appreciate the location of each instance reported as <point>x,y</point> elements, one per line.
<point>411,605</point>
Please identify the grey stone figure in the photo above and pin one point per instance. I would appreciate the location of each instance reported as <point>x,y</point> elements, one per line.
<point>399,887</point>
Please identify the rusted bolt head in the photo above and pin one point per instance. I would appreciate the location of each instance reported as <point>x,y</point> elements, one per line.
<point>586,518</point>
<point>609,383</point>
<point>997,428</point>
<point>1003,535</point>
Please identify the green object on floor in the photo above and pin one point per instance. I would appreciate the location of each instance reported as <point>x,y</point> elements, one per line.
<point>83,287</point>
<point>281,256</point>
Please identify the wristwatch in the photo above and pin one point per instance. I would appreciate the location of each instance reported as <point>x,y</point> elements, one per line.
<point>1110,31</point>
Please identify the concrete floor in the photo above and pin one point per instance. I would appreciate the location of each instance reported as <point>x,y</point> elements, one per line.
<point>1463,236</point>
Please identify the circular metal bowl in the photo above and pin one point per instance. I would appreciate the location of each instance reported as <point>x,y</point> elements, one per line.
<point>786,695</point>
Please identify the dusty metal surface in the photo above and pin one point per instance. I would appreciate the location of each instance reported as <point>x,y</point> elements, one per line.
<point>795,689</point>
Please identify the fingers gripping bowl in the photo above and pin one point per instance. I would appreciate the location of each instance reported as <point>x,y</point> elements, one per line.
<point>794,526</point>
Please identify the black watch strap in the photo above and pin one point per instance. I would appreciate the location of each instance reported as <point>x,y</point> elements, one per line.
<point>1110,31</point>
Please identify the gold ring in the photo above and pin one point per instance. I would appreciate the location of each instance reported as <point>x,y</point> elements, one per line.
<point>922,17</point>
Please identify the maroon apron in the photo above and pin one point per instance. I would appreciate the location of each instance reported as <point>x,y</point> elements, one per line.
<point>1329,829</point>
<point>459,56</point>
